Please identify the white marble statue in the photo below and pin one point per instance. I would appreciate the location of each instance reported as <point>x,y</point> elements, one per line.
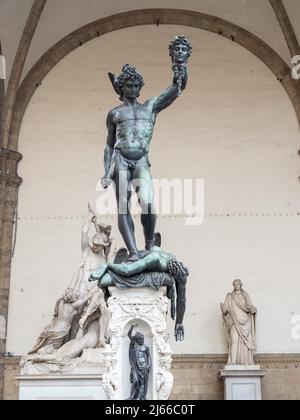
<point>82,302</point>
<point>70,350</point>
<point>94,329</point>
<point>66,309</point>
<point>239,318</point>
<point>97,249</point>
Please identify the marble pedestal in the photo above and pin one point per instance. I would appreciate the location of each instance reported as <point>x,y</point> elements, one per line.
<point>82,382</point>
<point>148,309</point>
<point>242,382</point>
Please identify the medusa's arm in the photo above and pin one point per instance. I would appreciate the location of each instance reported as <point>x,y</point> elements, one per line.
<point>180,308</point>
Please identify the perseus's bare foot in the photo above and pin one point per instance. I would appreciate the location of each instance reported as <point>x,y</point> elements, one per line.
<point>149,245</point>
<point>156,241</point>
<point>134,257</point>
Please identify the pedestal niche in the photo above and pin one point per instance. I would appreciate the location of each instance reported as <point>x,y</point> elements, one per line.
<point>242,382</point>
<point>78,379</point>
<point>148,309</point>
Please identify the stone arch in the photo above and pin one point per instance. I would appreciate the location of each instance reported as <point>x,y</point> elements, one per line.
<point>149,17</point>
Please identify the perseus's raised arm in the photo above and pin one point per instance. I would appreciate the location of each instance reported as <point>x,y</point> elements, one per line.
<point>168,96</point>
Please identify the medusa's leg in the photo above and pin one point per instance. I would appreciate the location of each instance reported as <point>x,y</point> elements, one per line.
<point>106,281</point>
<point>98,274</point>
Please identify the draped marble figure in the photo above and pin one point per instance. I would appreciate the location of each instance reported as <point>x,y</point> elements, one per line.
<point>239,318</point>
<point>57,332</point>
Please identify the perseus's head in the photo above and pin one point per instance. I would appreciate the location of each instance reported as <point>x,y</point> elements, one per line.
<point>180,49</point>
<point>129,83</point>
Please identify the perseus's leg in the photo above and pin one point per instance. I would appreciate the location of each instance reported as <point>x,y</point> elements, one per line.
<point>144,190</point>
<point>125,222</point>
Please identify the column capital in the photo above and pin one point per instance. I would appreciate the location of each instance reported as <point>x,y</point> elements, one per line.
<point>9,160</point>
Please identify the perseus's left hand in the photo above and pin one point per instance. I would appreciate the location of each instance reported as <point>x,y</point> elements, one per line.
<point>179,332</point>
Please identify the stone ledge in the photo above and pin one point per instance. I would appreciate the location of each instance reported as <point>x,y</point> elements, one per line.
<point>265,360</point>
<point>10,361</point>
<point>56,377</point>
<point>235,373</point>
<point>271,360</point>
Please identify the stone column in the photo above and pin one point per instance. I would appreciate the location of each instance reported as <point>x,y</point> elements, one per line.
<point>1,103</point>
<point>9,185</point>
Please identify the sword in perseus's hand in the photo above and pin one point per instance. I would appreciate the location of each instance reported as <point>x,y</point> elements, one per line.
<point>107,179</point>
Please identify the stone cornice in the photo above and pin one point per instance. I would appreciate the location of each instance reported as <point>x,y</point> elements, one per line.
<point>206,361</point>
<point>266,361</point>
<point>10,154</point>
<point>8,362</point>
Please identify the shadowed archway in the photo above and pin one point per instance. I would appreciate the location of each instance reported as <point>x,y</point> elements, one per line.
<point>149,17</point>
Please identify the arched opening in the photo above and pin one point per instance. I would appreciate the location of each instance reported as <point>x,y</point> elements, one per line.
<point>149,17</point>
<point>229,127</point>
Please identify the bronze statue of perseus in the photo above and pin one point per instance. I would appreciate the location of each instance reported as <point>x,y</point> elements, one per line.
<point>130,128</point>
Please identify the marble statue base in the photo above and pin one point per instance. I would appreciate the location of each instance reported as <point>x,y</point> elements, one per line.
<point>84,381</point>
<point>148,309</point>
<point>242,382</point>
